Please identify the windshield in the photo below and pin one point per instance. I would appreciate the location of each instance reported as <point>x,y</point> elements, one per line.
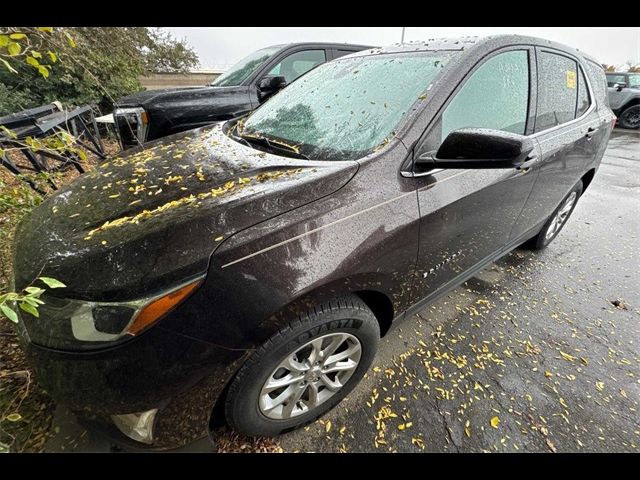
<point>634,80</point>
<point>239,72</point>
<point>346,108</point>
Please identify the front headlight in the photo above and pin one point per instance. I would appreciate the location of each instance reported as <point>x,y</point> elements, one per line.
<point>106,322</point>
<point>132,125</point>
<point>77,324</point>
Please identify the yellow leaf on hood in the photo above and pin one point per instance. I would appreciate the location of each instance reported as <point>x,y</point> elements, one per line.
<point>495,421</point>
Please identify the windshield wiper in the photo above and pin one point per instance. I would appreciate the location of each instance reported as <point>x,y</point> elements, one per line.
<point>272,145</point>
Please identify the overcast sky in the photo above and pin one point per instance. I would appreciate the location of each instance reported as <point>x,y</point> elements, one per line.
<point>219,47</point>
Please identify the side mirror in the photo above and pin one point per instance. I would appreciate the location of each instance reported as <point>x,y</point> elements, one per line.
<point>272,83</point>
<point>479,148</point>
<point>619,86</point>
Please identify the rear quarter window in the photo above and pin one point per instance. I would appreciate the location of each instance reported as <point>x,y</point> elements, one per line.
<point>598,82</point>
<point>341,53</point>
<point>584,100</point>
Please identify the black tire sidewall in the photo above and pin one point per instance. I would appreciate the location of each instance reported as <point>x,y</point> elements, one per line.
<point>622,121</point>
<point>242,410</point>
<point>541,240</point>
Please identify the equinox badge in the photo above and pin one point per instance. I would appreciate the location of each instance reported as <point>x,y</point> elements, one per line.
<point>437,267</point>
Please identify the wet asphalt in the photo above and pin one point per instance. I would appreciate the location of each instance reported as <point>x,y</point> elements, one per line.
<point>539,352</point>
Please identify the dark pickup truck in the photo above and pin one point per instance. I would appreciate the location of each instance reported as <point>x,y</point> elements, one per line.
<point>153,114</point>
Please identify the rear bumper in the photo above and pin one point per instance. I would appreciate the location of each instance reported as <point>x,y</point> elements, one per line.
<point>181,377</point>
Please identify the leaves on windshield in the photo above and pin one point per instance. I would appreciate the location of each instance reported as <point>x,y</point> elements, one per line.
<point>347,108</point>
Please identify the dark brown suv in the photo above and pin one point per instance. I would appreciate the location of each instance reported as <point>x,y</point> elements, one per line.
<point>251,267</point>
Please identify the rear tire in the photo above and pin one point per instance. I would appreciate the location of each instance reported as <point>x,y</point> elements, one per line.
<point>284,384</point>
<point>630,118</point>
<point>557,220</point>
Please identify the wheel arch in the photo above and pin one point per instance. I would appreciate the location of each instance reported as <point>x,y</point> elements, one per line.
<point>376,300</point>
<point>587,178</point>
<point>631,103</point>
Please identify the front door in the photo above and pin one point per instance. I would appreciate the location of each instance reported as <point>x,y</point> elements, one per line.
<point>466,216</point>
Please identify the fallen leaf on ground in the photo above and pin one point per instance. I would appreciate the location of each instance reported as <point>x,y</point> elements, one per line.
<point>14,417</point>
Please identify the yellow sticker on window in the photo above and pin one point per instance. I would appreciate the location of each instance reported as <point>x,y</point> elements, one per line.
<point>571,79</point>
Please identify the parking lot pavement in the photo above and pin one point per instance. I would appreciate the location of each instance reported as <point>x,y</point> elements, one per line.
<point>539,352</point>
<point>529,355</point>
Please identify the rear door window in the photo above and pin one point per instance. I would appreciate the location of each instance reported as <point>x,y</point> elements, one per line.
<point>341,53</point>
<point>557,90</point>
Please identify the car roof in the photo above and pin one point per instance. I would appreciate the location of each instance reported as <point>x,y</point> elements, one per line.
<point>468,42</point>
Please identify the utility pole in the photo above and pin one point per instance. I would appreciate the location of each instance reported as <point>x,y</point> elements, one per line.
<point>402,39</point>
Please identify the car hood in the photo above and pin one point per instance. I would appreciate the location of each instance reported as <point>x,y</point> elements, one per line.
<point>153,216</point>
<point>150,97</point>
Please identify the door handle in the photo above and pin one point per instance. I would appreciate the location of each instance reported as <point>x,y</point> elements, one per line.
<point>591,132</point>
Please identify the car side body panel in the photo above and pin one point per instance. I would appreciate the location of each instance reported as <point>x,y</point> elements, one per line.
<point>363,237</point>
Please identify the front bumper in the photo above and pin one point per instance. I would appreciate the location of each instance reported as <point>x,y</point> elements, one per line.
<point>180,376</point>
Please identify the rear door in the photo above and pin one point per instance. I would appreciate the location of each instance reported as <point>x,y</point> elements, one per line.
<point>565,126</point>
<point>466,216</point>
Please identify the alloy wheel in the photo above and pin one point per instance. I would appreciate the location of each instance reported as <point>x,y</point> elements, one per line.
<point>561,216</point>
<point>310,376</point>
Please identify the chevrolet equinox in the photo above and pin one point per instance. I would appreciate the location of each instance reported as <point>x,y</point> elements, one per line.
<point>250,267</point>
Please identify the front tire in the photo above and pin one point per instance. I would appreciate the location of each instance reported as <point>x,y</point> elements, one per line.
<point>557,220</point>
<point>304,370</point>
<point>630,118</point>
